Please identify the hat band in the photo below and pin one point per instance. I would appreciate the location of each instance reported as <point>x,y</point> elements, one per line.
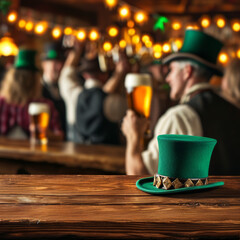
<point>167,183</point>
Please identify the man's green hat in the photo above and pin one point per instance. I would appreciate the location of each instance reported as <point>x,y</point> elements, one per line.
<point>201,48</point>
<point>53,51</point>
<point>26,59</point>
<point>183,165</point>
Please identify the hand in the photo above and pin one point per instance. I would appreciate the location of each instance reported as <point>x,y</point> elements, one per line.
<point>134,127</point>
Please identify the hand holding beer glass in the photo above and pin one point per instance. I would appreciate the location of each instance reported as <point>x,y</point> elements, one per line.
<point>39,119</point>
<point>139,94</point>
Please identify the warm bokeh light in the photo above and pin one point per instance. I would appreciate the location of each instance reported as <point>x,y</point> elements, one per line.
<point>111,3</point>
<point>192,26</point>
<point>56,32</point>
<point>157,54</point>
<point>124,12</point>
<point>8,47</point>
<point>131,31</point>
<point>107,46</point>
<point>12,17</point>
<point>221,22</point>
<point>166,47</point>
<point>145,38</point>
<point>178,42</point>
<point>29,26</point>
<point>93,35</point>
<point>68,31</point>
<point>130,23</point>
<point>176,25</point>
<point>21,23</point>
<point>223,58</point>
<point>236,26</point>
<point>135,39</point>
<point>238,53</point>
<point>205,21</point>
<point>157,47</point>
<point>112,31</point>
<point>148,44</point>
<point>81,34</point>
<point>40,27</point>
<point>122,43</point>
<point>140,17</point>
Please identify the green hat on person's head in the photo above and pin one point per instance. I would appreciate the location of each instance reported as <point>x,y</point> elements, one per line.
<point>201,48</point>
<point>26,59</point>
<point>53,51</point>
<point>183,165</point>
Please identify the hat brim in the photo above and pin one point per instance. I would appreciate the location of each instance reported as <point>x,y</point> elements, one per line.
<point>146,185</point>
<point>189,56</point>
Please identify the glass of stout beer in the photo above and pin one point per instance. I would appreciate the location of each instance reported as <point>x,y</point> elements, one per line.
<point>39,119</point>
<point>139,94</point>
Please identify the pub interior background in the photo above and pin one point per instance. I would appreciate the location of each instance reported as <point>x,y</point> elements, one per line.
<point>145,31</point>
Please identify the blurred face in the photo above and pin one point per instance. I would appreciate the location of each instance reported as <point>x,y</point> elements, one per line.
<point>175,79</point>
<point>51,70</point>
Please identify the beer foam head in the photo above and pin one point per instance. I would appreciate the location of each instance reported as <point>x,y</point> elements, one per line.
<point>137,79</point>
<point>36,108</point>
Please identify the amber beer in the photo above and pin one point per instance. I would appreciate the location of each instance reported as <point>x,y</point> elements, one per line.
<point>139,93</point>
<point>39,119</point>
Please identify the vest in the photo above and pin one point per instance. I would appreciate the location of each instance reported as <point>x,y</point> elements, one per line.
<point>91,124</point>
<point>220,120</point>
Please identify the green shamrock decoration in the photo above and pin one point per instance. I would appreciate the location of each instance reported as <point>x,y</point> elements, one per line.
<point>160,23</point>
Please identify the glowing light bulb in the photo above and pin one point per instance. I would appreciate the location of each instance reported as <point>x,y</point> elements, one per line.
<point>223,58</point>
<point>113,31</point>
<point>93,35</point>
<point>21,23</point>
<point>238,53</point>
<point>12,17</point>
<point>145,38</point>
<point>68,31</point>
<point>124,12</point>
<point>176,26</point>
<point>157,54</point>
<point>29,26</point>
<point>221,22</point>
<point>40,28</point>
<point>8,47</point>
<point>56,32</point>
<point>205,22</point>
<point>131,31</point>
<point>178,43</point>
<point>148,44</point>
<point>122,43</point>
<point>166,47</point>
<point>135,39</point>
<point>140,17</point>
<point>236,26</point>
<point>130,24</point>
<point>107,46</point>
<point>81,35</point>
<point>111,3</point>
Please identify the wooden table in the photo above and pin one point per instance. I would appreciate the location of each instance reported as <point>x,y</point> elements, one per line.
<point>60,157</point>
<point>111,207</point>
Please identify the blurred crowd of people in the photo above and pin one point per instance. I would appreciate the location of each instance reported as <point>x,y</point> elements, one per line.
<point>88,104</point>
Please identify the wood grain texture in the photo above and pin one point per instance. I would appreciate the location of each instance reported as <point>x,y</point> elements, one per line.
<point>103,157</point>
<point>112,207</point>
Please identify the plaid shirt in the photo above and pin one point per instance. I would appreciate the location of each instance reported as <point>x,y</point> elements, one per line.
<point>12,115</point>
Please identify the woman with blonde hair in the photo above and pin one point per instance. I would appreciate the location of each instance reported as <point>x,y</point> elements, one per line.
<point>21,86</point>
<point>230,85</point>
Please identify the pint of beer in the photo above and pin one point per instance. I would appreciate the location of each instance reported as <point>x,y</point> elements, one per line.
<point>139,93</point>
<point>39,119</point>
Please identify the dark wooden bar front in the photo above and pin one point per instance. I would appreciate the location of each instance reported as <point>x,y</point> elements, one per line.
<point>19,156</point>
<point>111,207</point>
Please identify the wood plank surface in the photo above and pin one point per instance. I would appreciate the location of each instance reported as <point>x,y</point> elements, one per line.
<point>112,207</point>
<point>103,157</point>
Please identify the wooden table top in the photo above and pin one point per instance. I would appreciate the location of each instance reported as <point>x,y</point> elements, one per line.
<point>111,207</point>
<point>104,157</point>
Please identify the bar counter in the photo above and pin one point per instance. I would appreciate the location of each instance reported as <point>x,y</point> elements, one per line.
<point>111,207</point>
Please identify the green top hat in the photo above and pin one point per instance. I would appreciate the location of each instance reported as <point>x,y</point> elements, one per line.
<point>26,59</point>
<point>201,48</point>
<point>183,165</point>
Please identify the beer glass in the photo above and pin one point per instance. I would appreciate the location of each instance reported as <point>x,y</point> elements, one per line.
<point>39,119</point>
<point>139,94</point>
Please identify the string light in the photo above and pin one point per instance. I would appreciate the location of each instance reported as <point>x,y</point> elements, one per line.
<point>12,17</point>
<point>205,21</point>
<point>57,32</point>
<point>130,23</point>
<point>223,58</point>
<point>176,25</point>
<point>40,28</point>
<point>93,35</point>
<point>68,31</point>
<point>81,34</point>
<point>131,31</point>
<point>122,43</point>
<point>157,55</point>
<point>238,53</point>
<point>112,31</point>
<point>21,23</point>
<point>107,46</point>
<point>157,47</point>
<point>145,38</point>
<point>235,26</point>
<point>140,17</point>
<point>8,47</point>
<point>166,47</point>
<point>220,21</point>
<point>29,26</point>
<point>124,12</point>
<point>135,39</point>
<point>111,3</point>
<point>148,44</point>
